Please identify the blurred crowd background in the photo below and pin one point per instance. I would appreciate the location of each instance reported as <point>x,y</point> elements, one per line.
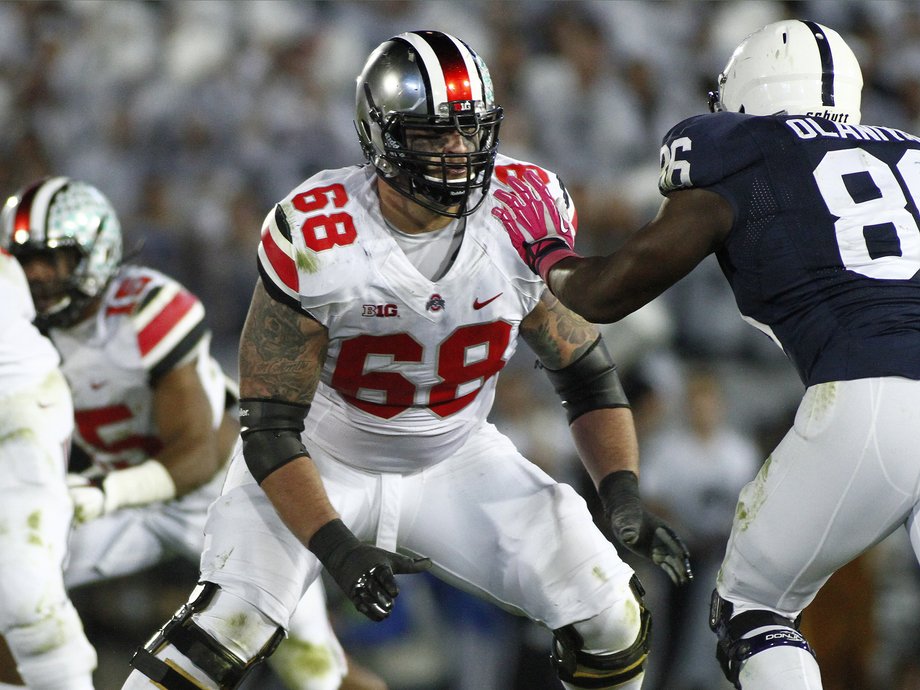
<point>195,117</point>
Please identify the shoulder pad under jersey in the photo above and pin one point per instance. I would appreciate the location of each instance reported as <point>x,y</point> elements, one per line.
<point>506,167</point>
<point>703,150</point>
<point>314,242</point>
<point>168,320</point>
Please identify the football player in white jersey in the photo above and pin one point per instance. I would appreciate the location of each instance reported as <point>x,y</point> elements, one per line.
<point>152,407</point>
<point>41,626</point>
<point>386,307</point>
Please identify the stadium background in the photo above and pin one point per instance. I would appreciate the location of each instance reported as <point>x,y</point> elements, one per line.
<point>195,117</point>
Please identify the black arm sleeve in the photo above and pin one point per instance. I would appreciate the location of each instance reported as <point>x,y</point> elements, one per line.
<point>589,383</point>
<point>271,434</point>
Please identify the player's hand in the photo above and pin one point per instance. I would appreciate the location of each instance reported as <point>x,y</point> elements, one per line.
<point>640,531</point>
<point>539,230</point>
<point>364,572</point>
<point>87,496</point>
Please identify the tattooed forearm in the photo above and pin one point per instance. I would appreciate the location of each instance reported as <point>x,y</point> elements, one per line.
<point>557,335</point>
<point>281,352</point>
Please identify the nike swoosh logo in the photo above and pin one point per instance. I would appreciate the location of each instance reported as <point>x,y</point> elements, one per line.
<point>479,305</point>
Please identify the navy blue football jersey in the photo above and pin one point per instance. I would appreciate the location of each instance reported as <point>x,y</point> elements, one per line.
<point>824,252</point>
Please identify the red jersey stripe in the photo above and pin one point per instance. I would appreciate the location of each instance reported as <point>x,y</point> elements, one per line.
<point>165,321</point>
<point>282,264</point>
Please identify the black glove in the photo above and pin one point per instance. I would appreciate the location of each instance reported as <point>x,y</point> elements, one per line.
<point>364,572</point>
<point>640,531</point>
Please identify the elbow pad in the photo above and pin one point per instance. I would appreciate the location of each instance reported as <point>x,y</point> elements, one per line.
<point>271,434</point>
<point>589,383</point>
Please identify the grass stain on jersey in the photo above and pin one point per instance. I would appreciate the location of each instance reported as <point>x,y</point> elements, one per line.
<point>19,434</point>
<point>34,523</point>
<point>306,262</point>
<point>632,613</point>
<point>295,660</point>
<point>56,630</point>
<point>223,558</point>
<point>752,497</point>
<point>599,573</point>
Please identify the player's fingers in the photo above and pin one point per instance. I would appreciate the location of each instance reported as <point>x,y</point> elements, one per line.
<point>542,191</point>
<point>373,610</point>
<point>503,196</point>
<point>505,216</point>
<point>407,566</point>
<point>521,209</point>
<point>671,541</point>
<point>522,188</point>
<point>672,572</point>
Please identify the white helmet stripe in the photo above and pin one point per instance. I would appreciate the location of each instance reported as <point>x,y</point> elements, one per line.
<point>37,210</point>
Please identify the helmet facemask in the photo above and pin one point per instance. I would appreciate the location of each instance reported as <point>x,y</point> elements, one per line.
<point>59,302</point>
<point>404,128</point>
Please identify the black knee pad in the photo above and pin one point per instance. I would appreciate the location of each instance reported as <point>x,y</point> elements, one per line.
<point>732,650</point>
<point>220,664</point>
<point>601,671</point>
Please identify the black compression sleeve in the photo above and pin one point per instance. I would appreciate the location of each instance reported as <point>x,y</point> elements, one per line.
<point>271,434</point>
<point>589,383</point>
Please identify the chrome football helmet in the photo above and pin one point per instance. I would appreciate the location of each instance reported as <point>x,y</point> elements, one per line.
<point>58,215</point>
<point>416,91</point>
<point>793,67</point>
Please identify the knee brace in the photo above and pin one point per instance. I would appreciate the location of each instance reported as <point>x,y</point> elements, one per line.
<point>221,665</point>
<point>733,648</point>
<point>577,667</point>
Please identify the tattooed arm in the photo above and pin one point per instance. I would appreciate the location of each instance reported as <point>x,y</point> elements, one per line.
<point>281,357</point>
<point>605,438</point>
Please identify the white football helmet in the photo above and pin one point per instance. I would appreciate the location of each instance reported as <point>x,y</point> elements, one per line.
<point>794,67</point>
<point>58,214</point>
<point>428,84</point>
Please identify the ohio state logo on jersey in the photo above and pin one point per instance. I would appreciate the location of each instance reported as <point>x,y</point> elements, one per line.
<point>435,303</point>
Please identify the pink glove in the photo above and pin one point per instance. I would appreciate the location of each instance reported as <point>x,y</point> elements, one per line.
<point>541,234</point>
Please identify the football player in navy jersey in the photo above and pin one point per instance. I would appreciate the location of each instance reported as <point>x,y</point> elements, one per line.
<point>814,220</point>
<point>386,307</point>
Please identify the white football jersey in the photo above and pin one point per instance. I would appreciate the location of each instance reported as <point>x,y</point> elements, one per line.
<point>26,356</point>
<point>412,363</point>
<point>147,325</point>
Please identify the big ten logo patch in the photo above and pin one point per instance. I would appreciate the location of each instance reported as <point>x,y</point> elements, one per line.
<point>380,310</point>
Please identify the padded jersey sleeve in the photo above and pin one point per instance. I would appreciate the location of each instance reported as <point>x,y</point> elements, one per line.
<point>509,167</point>
<point>276,259</point>
<point>315,248</point>
<point>168,320</point>
<point>704,150</point>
